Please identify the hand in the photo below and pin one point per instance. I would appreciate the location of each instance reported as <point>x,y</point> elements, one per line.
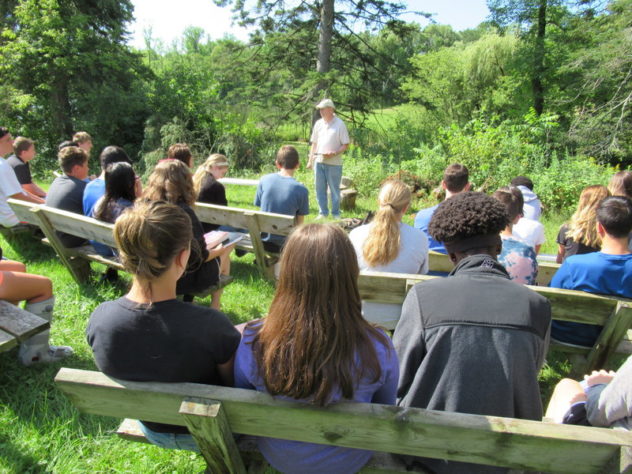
<point>329,155</point>
<point>601,377</point>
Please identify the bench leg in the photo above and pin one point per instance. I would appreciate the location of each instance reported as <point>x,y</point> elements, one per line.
<point>209,426</point>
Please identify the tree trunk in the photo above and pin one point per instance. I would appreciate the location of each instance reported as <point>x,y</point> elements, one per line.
<point>538,60</point>
<point>323,63</point>
<point>60,108</point>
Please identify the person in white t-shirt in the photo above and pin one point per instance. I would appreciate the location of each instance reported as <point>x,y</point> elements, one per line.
<point>388,245</point>
<point>530,232</point>
<point>330,140</point>
<point>9,185</point>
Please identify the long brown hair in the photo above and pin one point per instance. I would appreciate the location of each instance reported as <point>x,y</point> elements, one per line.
<point>583,225</point>
<point>171,181</point>
<point>314,340</point>
<point>383,243</point>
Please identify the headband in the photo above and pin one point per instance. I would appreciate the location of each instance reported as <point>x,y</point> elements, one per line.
<point>474,242</point>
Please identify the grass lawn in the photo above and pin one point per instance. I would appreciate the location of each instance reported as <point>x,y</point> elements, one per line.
<point>40,431</point>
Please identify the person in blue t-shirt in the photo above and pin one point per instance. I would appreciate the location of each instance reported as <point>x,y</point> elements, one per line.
<point>608,272</point>
<point>282,194</point>
<point>95,189</point>
<point>455,181</point>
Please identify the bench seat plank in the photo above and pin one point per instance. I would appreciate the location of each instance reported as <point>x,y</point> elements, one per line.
<point>7,341</point>
<point>498,441</point>
<point>19,323</point>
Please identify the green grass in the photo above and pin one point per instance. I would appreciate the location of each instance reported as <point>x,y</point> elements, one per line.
<point>40,431</point>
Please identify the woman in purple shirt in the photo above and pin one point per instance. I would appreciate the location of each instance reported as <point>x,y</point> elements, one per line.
<point>314,347</point>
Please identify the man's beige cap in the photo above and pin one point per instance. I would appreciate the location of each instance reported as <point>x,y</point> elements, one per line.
<point>326,103</point>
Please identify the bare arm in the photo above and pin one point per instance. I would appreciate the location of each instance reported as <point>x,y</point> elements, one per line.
<point>300,220</point>
<point>34,189</point>
<point>561,251</point>
<point>537,249</point>
<point>25,196</point>
<point>226,372</point>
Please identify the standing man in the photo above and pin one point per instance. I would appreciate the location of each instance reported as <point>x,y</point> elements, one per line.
<point>330,140</point>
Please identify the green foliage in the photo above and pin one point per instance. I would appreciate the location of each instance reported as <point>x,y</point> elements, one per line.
<point>68,69</point>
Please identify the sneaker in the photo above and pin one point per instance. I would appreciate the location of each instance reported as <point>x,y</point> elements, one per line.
<point>336,217</point>
<point>225,280</point>
<point>53,354</point>
<point>321,217</point>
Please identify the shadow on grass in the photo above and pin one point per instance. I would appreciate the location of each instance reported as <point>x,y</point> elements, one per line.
<point>28,248</point>
<point>31,402</point>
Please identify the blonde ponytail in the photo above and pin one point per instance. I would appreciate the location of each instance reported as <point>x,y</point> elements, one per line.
<point>383,243</point>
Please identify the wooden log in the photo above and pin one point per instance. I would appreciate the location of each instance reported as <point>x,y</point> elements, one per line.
<point>519,444</point>
<point>348,199</point>
<point>207,422</point>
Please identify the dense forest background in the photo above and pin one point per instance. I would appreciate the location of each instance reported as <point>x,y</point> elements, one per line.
<point>544,87</point>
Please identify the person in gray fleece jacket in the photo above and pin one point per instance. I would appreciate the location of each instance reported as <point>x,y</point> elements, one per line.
<point>472,342</point>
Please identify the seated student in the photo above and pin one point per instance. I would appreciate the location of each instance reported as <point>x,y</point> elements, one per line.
<point>148,335</point>
<point>603,399</point>
<point>455,181</point>
<point>9,184</point>
<point>518,258</point>
<point>315,348</point>
<point>16,285</point>
<point>181,152</point>
<point>532,208</point>
<point>95,189</point>
<point>472,342</point>
<point>608,272</point>
<point>120,193</point>
<point>66,192</point>
<point>171,181</point>
<point>282,194</point>
<point>388,245</point>
<point>621,185</point>
<point>580,235</point>
<point>207,187</point>
<point>83,141</point>
<point>24,151</point>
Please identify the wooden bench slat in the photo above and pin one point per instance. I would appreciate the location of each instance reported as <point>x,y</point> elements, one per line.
<point>7,341</point>
<point>439,262</point>
<point>20,323</point>
<point>498,441</point>
<point>380,463</point>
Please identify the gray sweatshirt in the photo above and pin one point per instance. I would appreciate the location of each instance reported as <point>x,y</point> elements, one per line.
<point>472,342</point>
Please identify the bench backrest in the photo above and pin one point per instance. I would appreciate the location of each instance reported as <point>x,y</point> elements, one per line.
<point>614,313</point>
<point>439,262</point>
<point>454,436</point>
<point>242,218</point>
<point>64,221</point>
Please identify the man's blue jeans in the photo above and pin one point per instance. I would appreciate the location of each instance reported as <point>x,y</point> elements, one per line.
<point>328,176</point>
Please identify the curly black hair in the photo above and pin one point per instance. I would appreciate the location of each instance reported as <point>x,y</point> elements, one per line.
<point>467,215</point>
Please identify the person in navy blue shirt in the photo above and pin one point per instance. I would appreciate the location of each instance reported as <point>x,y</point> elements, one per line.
<point>608,272</point>
<point>455,181</point>
<point>282,194</point>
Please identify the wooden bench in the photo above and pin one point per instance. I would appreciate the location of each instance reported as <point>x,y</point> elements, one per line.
<point>439,262</point>
<point>613,313</point>
<point>255,222</point>
<point>213,414</point>
<point>77,259</point>
<point>17,325</point>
